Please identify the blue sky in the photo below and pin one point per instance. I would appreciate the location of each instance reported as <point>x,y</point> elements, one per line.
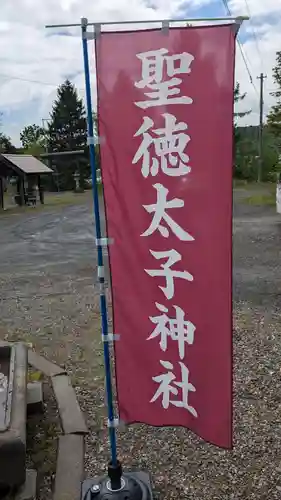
<point>30,54</point>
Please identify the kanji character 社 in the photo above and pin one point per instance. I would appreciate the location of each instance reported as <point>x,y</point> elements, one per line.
<point>166,389</point>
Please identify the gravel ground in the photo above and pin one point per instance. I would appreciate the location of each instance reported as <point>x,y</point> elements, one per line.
<point>47,270</point>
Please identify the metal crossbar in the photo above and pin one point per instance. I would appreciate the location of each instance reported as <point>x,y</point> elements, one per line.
<point>152,21</point>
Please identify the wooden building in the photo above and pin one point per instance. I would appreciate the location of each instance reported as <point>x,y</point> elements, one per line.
<point>28,171</point>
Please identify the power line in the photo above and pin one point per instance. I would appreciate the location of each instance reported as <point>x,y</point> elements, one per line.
<point>227,7</point>
<point>254,31</point>
<point>262,78</point>
<point>28,80</point>
<point>225,2</point>
<point>243,54</point>
<point>246,65</point>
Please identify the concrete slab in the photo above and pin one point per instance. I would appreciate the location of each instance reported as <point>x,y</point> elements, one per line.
<point>29,489</point>
<point>13,416</point>
<point>44,365</point>
<point>72,418</point>
<point>35,403</point>
<point>70,467</point>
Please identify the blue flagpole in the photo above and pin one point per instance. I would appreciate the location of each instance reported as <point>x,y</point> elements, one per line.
<point>103,308</point>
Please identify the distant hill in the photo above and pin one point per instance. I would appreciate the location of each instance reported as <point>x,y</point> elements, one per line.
<point>250,132</point>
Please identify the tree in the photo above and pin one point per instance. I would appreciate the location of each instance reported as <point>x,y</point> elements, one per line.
<point>34,149</point>
<point>274,116</point>
<point>247,151</point>
<point>238,98</point>
<point>6,145</point>
<point>68,132</point>
<point>240,157</point>
<point>32,134</point>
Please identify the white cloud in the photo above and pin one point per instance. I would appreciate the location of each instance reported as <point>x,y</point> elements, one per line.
<point>254,7</point>
<point>260,51</point>
<point>30,54</point>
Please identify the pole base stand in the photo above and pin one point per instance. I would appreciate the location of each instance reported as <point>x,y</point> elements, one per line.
<point>134,486</point>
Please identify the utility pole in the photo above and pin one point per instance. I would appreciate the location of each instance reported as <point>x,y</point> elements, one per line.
<point>43,126</point>
<point>49,158</point>
<point>261,78</point>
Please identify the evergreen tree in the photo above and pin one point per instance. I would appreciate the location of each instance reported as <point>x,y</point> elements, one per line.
<point>239,149</point>
<point>68,132</point>
<point>274,117</point>
<point>238,98</point>
<point>247,151</point>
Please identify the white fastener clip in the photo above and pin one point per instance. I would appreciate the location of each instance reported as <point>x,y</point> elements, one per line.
<point>165,27</point>
<point>113,423</point>
<point>95,140</point>
<point>90,140</point>
<point>104,242</point>
<point>110,337</point>
<point>97,29</point>
<point>88,35</point>
<point>237,25</point>
<point>101,273</point>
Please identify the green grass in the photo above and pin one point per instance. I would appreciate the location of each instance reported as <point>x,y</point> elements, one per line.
<point>254,193</point>
<point>238,183</point>
<point>52,200</point>
<point>254,186</point>
<point>66,198</point>
<point>262,200</point>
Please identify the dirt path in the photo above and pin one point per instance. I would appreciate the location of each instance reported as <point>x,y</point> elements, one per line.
<point>47,271</point>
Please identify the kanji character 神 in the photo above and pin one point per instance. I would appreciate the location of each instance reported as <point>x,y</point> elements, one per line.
<point>166,389</point>
<point>159,209</point>
<point>157,63</point>
<point>169,274</point>
<point>177,329</point>
<point>164,149</point>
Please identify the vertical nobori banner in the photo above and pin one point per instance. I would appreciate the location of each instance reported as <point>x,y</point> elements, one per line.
<point>165,107</point>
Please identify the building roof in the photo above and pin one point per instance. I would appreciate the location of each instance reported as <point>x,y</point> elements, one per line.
<point>27,164</point>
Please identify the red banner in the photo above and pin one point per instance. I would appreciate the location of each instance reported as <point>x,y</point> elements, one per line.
<point>165,107</point>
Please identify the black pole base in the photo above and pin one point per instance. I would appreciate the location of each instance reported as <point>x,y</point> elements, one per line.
<point>133,486</point>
